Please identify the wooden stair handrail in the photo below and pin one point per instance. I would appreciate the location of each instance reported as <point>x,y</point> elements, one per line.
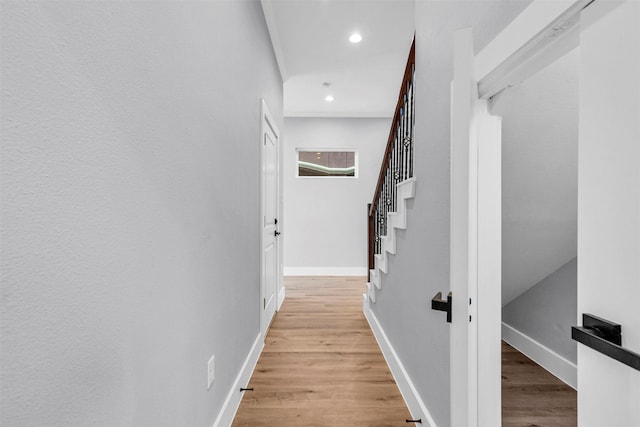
<point>407,77</point>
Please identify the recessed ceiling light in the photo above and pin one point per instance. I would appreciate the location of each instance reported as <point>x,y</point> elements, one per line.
<point>355,38</point>
<point>328,98</point>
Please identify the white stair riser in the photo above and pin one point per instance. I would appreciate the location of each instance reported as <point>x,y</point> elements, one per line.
<point>394,220</point>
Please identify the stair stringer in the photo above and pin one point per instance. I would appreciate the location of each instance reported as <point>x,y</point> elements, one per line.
<point>395,221</point>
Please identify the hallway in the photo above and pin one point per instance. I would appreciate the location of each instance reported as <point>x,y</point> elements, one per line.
<point>321,365</point>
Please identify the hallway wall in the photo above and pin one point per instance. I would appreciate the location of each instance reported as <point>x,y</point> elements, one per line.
<point>546,311</point>
<point>130,207</point>
<point>539,174</point>
<point>326,220</point>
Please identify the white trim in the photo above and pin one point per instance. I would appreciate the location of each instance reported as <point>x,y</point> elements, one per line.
<point>272,27</point>
<point>489,266</point>
<point>412,398</point>
<point>232,402</point>
<point>281,296</point>
<point>325,271</point>
<point>557,365</point>
<point>463,234</point>
<point>541,34</point>
<point>371,293</point>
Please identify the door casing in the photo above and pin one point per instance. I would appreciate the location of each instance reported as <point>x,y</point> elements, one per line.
<point>268,124</point>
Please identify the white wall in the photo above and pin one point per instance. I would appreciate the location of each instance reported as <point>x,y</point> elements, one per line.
<point>130,207</point>
<point>547,311</point>
<point>539,174</point>
<point>538,323</point>
<point>609,209</point>
<point>326,218</point>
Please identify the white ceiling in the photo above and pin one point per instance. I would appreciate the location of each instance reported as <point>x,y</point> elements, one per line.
<point>311,42</point>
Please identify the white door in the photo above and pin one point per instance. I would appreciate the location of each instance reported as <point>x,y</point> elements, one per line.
<point>270,262</point>
<point>609,209</point>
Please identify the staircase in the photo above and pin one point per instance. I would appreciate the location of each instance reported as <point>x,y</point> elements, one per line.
<point>405,190</point>
<point>396,184</point>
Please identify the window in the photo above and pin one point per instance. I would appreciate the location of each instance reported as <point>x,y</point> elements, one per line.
<point>327,163</point>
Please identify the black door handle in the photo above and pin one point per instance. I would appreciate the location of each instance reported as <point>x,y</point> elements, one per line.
<point>276,233</point>
<point>437,303</point>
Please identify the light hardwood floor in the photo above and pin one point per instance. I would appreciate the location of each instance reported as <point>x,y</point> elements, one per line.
<point>531,396</point>
<point>321,365</point>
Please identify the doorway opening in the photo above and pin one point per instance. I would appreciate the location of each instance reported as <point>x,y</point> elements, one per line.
<point>539,244</point>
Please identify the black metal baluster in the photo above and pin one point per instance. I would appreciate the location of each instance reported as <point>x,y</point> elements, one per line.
<point>405,133</point>
<point>378,227</point>
<point>392,163</point>
<point>374,236</point>
<point>401,157</point>
<point>383,214</point>
<point>377,219</point>
<point>381,203</point>
<point>412,124</point>
<point>383,232</point>
<point>396,164</point>
<point>398,131</point>
<point>381,208</point>
<point>393,179</point>
<point>391,189</point>
<point>405,146</point>
<point>402,132</point>
<point>406,137</point>
<point>385,197</point>
<point>390,196</point>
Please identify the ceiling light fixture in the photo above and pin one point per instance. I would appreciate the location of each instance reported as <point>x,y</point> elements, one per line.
<point>328,98</point>
<point>355,38</point>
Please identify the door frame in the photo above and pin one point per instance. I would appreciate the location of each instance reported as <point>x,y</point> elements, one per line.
<point>267,120</point>
<point>542,33</point>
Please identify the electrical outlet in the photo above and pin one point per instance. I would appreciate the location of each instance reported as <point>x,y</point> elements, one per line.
<point>211,371</point>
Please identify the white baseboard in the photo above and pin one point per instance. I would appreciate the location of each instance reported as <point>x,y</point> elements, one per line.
<point>325,271</point>
<point>557,365</point>
<point>414,402</point>
<point>232,402</point>
<point>281,295</point>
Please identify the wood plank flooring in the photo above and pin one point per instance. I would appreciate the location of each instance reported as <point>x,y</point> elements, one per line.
<point>531,396</point>
<point>321,365</point>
